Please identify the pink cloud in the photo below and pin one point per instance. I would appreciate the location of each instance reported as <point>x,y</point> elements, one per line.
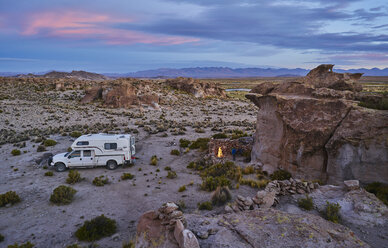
<point>85,25</point>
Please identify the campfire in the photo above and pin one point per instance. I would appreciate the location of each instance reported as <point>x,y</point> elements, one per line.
<point>219,154</point>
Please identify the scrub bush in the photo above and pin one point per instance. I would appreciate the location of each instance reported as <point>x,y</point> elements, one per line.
<point>280,175</point>
<point>49,142</point>
<point>200,143</point>
<point>171,174</point>
<point>96,229</point>
<point>154,160</point>
<point>184,143</point>
<point>306,203</point>
<point>380,190</point>
<point>25,245</point>
<point>16,152</point>
<point>126,176</point>
<point>9,197</point>
<point>75,134</point>
<point>41,148</point>
<point>73,177</point>
<point>332,212</point>
<point>100,181</point>
<point>220,136</point>
<point>49,174</point>
<point>205,205</point>
<point>221,195</point>
<point>62,195</point>
<point>182,188</point>
<point>175,152</point>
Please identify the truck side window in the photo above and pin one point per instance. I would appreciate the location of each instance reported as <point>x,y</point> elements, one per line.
<point>110,146</point>
<point>82,143</point>
<point>87,153</point>
<point>75,154</point>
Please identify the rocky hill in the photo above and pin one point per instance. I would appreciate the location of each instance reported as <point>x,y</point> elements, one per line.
<point>78,75</point>
<point>315,129</point>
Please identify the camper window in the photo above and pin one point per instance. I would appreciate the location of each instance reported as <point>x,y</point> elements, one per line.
<point>87,153</point>
<point>110,146</point>
<point>75,154</point>
<point>82,143</point>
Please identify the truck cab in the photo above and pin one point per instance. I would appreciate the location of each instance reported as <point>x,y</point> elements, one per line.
<point>97,150</point>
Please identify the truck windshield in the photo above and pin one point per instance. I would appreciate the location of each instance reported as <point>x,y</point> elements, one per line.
<point>67,153</point>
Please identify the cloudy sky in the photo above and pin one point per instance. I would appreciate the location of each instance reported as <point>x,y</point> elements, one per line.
<point>128,35</point>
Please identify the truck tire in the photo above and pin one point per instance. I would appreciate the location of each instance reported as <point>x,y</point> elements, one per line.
<point>60,167</point>
<point>111,165</point>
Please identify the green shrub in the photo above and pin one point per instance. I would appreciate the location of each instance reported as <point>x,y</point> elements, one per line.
<point>96,229</point>
<point>49,174</point>
<point>332,212</point>
<point>221,195</point>
<point>220,136</point>
<point>130,244</point>
<point>69,149</point>
<point>9,197</point>
<point>205,205</point>
<point>280,175</point>
<point>73,177</point>
<point>100,181</point>
<point>182,188</point>
<point>248,170</point>
<point>41,148</point>
<point>1,238</point>
<point>16,152</point>
<point>254,183</point>
<point>211,183</point>
<point>184,143</point>
<point>62,195</point>
<point>25,245</point>
<point>154,160</point>
<point>200,143</point>
<point>191,165</point>
<point>75,134</point>
<point>306,203</point>
<point>381,105</point>
<point>126,176</point>
<point>236,134</point>
<point>380,190</point>
<point>49,142</point>
<point>175,152</point>
<point>167,168</point>
<point>171,174</point>
<point>74,246</point>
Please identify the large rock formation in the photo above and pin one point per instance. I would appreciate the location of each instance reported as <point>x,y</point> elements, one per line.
<point>314,129</point>
<point>196,87</point>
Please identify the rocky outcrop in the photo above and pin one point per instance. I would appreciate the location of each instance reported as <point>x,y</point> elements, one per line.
<point>270,228</point>
<point>164,228</point>
<point>196,87</point>
<point>314,129</point>
<point>122,94</point>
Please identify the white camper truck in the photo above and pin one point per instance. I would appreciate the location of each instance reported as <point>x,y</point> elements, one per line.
<point>93,150</point>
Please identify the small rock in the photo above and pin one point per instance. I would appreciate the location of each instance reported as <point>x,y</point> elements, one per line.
<point>228,209</point>
<point>203,234</point>
<point>352,185</point>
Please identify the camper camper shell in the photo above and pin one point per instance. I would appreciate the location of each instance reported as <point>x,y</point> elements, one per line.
<point>93,150</point>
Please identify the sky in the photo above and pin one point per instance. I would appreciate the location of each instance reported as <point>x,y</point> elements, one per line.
<point>119,36</point>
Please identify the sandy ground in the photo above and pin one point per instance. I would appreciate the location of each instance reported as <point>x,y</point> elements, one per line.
<point>37,220</point>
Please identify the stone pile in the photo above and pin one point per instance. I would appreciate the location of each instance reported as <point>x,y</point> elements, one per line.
<point>164,228</point>
<point>267,197</point>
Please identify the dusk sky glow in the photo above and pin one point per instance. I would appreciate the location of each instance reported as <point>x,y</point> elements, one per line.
<point>126,36</point>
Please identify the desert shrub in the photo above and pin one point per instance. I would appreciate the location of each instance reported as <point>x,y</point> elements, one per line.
<point>167,168</point>
<point>154,160</point>
<point>75,134</point>
<point>74,246</point>
<point>248,170</point>
<point>181,204</point>
<point>200,143</point>
<point>381,105</point>
<point>175,152</point>
<point>247,155</point>
<point>73,177</point>
<point>100,181</point>
<point>184,143</point>
<point>227,169</point>
<point>220,136</point>
<point>9,198</point>
<point>236,134</point>
<point>306,203</point>
<point>280,175</point>
<point>182,188</point>
<point>49,142</point>
<point>191,165</point>
<point>41,148</point>
<point>211,183</point>
<point>16,152</point>
<point>171,174</point>
<point>62,195</point>
<point>254,183</point>
<point>130,244</point>
<point>221,195</point>
<point>205,205</point>
<point>126,176</point>
<point>332,212</point>
<point>96,229</point>
<point>380,190</point>
<point>1,238</point>
<point>25,245</point>
<point>69,149</point>
<point>49,174</point>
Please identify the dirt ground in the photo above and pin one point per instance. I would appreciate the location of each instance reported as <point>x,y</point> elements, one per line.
<point>37,220</point>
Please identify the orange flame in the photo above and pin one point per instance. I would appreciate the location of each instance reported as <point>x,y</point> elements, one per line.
<point>219,155</point>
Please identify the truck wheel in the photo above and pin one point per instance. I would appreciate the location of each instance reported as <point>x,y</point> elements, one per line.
<point>111,165</point>
<point>60,167</point>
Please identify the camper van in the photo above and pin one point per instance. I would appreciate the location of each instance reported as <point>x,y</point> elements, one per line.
<point>110,150</point>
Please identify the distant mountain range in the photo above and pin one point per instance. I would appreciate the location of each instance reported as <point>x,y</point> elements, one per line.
<point>197,72</point>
